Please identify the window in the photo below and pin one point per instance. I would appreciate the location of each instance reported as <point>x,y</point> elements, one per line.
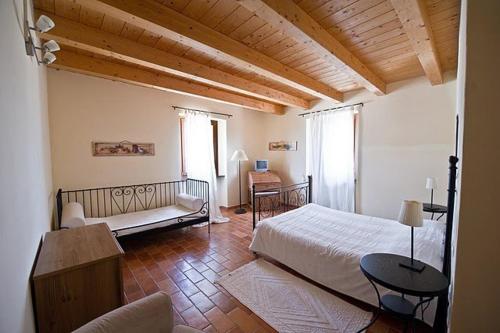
<point>216,137</point>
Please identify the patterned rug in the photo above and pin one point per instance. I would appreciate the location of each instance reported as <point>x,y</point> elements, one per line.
<point>290,304</point>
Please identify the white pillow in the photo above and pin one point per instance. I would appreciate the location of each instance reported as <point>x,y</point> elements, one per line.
<point>190,202</point>
<point>72,215</point>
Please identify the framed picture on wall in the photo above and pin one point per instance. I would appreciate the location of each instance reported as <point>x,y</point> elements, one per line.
<point>283,146</point>
<point>124,148</point>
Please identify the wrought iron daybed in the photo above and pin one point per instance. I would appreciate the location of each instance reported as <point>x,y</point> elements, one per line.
<point>134,201</point>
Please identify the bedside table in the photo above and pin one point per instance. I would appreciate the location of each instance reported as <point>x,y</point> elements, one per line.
<point>384,269</point>
<point>435,209</point>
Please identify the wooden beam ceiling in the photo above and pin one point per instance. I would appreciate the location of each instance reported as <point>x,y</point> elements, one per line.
<point>413,17</point>
<point>74,34</point>
<point>106,69</point>
<point>159,19</point>
<point>296,23</point>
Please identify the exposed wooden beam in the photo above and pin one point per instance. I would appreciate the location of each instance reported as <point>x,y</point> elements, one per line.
<point>71,33</point>
<point>415,21</point>
<point>296,23</point>
<point>106,69</point>
<point>164,21</point>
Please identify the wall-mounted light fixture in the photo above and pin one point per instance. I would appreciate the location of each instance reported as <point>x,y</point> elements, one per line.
<point>43,24</point>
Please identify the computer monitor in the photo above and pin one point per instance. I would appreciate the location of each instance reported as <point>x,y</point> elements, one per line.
<point>261,165</point>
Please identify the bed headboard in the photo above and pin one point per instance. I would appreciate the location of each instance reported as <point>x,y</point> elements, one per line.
<point>440,323</point>
<point>108,201</point>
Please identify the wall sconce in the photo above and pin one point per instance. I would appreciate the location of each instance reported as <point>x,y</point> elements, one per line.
<point>43,24</point>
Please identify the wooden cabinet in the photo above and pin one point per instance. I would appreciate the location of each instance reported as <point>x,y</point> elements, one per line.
<point>77,277</point>
<point>262,181</point>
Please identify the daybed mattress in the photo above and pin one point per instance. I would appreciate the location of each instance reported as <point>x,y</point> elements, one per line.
<point>142,218</point>
<point>327,245</point>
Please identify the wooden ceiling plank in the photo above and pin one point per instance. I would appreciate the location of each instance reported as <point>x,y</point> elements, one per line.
<point>106,69</point>
<point>367,15</point>
<point>326,9</point>
<point>77,35</point>
<point>218,13</point>
<point>375,23</point>
<point>348,12</point>
<point>299,25</point>
<point>233,21</point>
<point>415,21</point>
<point>67,9</point>
<point>91,17</point>
<point>112,25</point>
<point>171,24</point>
<point>196,9</point>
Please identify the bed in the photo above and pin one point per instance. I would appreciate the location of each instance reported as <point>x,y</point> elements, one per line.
<point>130,209</point>
<point>326,245</point>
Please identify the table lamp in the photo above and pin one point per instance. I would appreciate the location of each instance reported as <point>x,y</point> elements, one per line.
<point>431,185</point>
<point>411,215</point>
<point>239,155</point>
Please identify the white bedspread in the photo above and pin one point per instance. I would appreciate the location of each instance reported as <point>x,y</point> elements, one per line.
<point>327,245</point>
<point>136,219</point>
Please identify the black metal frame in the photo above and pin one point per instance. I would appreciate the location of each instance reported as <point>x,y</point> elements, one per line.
<point>269,202</point>
<point>108,201</point>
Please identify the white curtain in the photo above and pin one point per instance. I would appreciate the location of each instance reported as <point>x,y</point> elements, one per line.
<point>330,158</point>
<point>199,157</point>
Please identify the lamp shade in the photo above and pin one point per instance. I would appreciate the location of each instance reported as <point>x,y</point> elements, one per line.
<point>239,155</point>
<point>411,213</point>
<point>431,183</point>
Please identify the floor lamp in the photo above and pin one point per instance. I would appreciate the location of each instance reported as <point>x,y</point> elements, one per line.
<point>239,155</point>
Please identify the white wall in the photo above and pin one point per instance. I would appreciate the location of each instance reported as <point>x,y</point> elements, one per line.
<point>476,288</point>
<point>25,178</point>
<point>85,109</point>
<point>405,136</point>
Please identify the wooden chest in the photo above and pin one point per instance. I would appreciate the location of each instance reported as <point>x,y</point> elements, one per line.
<point>77,277</point>
<point>263,181</point>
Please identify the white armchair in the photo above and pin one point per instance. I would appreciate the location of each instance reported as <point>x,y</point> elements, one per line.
<point>152,314</point>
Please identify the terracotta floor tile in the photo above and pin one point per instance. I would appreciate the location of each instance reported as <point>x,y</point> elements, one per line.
<point>219,320</point>
<point>176,275</point>
<point>194,318</point>
<point>223,302</point>
<point>210,275</point>
<point>246,323</point>
<point>168,285</point>
<point>181,302</point>
<point>207,288</point>
<point>215,266</point>
<point>193,275</point>
<point>187,287</point>
<point>199,266</point>
<point>202,302</point>
<point>183,265</point>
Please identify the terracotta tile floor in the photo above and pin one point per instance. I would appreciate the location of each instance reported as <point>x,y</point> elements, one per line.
<point>185,264</point>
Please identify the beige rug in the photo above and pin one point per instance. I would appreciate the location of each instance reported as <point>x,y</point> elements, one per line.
<point>290,304</point>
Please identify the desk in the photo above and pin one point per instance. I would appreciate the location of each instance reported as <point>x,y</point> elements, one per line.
<point>262,181</point>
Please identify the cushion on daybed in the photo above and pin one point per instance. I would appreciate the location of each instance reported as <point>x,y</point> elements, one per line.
<point>189,201</point>
<point>72,215</point>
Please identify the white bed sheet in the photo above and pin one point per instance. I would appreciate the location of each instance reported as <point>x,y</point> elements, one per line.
<point>137,219</point>
<point>327,245</point>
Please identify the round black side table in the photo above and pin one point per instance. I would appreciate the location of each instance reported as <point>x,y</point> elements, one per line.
<point>384,269</point>
<point>435,209</point>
